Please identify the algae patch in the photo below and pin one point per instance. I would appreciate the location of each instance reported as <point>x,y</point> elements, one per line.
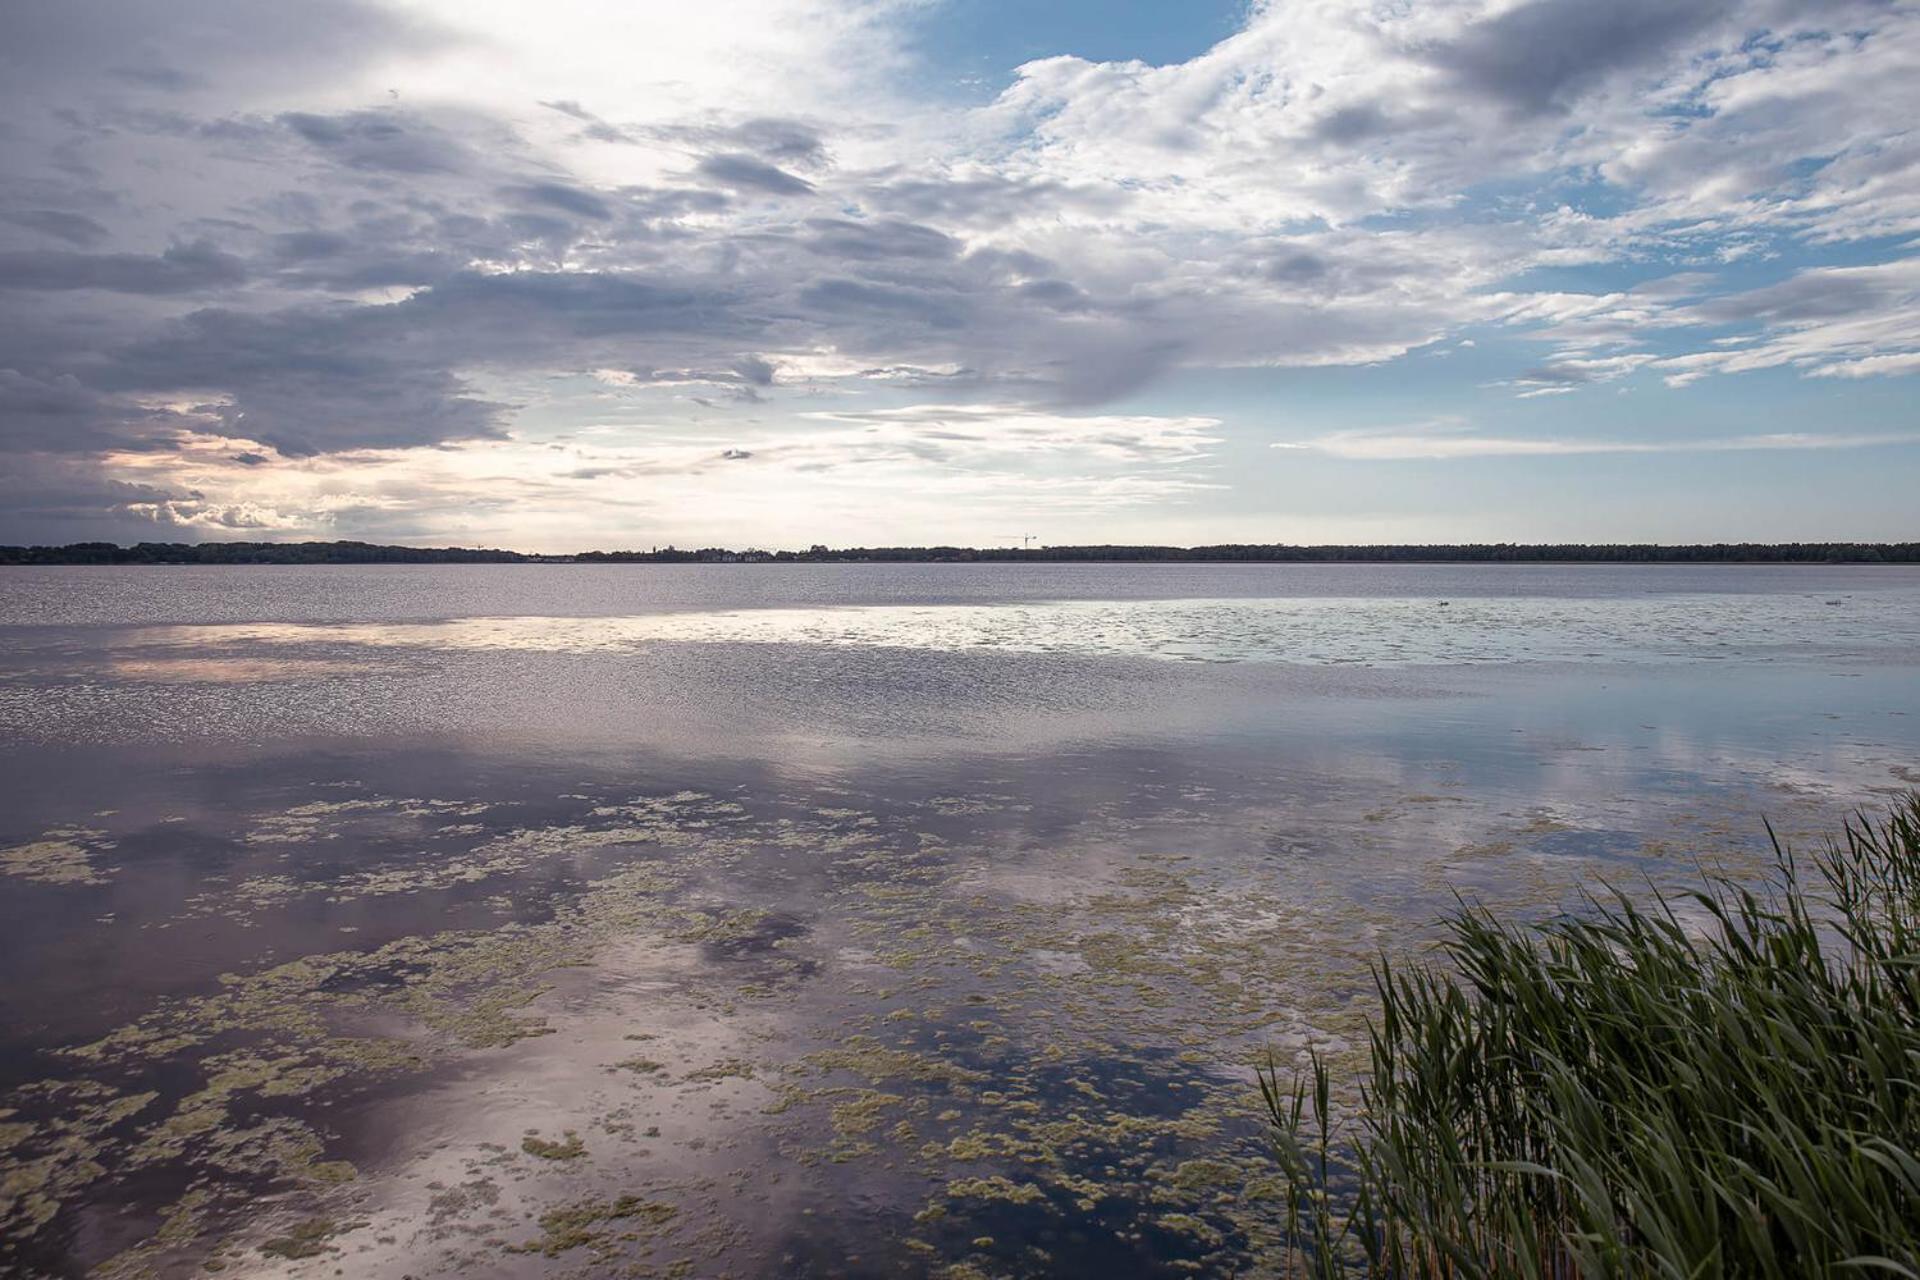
<point>62,857</point>
<point>597,1224</point>
<point>307,1239</point>
<point>570,1149</point>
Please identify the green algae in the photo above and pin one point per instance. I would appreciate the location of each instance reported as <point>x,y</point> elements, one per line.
<point>469,989</point>
<point>62,857</point>
<point>995,1187</point>
<point>307,1239</point>
<point>863,1113</point>
<point>572,1148</point>
<point>1038,1042</point>
<point>727,1069</point>
<point>586,1224</point>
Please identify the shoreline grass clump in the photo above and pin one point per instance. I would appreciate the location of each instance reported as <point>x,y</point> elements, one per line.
<point>1722,1083</point>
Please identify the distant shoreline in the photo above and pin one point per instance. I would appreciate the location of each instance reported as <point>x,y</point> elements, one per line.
<point>362,553</point>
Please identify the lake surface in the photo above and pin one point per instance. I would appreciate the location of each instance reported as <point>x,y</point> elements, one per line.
<point>833,920</point>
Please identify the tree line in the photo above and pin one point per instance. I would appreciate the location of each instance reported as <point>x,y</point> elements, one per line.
<point>250,553</point>
<point>1278,553</point>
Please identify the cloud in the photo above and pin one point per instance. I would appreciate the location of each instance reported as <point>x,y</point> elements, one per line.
<point>188,268</point>
<point>1018,429</point>
<point>53,499</point>
<point>1570,372</point>
<point>885,303</point>
<point>74,228</point>
<point>381,140</point>
<point>55,413</point>
<point>983,459</point>
<point>304,383</point>
<point>1847,322</point>
<point>1371,446</point>
<point>567,199</point>
<point>232,46</point>
<point>164,78</point>
<point>596,129</point>
<point>775,140</point>
<point>878,240</point>
<point>420,231</point>
<point>1537,56</point>
<point>1872,366</point>
<point>745,173</point>
<point>949,446</point>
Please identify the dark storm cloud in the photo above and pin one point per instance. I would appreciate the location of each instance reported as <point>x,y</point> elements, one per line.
<point>872,241</point>
<point>381,140</point>
<point>374,268</point>
<point>755,370</point>
<point>190,44</point>
<point>57,413</point>
<point>863,299</point>
<point>54,500</point>
<point>1297,268</point>
<point>595,128</point>
<point>1353,124</point>
<point>166,79</point>
<point>189,268</point>
<point>313,380</point>
<point>744,172</point>
<point>1061,295</point>
<point>775,140</point>
<point>518,268</point>
<point>74,228</point>
<point>307,382</point>
<point>1536,57</point>
<point>310,246</point>
<point>568,199</point>
<point>1811,295</point>
<point>781,141</point>
<point>530,307</point>
<point>1347,265</point>
<point>377,253</point>
<point>327,378</point>
<point>1554,375</point>
<point>983,201</point>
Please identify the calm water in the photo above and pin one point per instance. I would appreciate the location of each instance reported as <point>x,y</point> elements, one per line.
<point>813,920</point>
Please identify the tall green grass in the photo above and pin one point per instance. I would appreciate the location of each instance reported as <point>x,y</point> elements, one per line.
<point>1719,1084</point>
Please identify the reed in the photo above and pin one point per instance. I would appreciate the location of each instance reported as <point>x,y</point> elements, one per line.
<point>1720,1083</point>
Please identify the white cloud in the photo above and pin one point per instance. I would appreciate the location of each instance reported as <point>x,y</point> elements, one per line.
<point>1388,446</point>
<point>380,252</point>
<point>943,466</point>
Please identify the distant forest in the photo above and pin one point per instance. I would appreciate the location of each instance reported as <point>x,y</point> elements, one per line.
<point>1462,553</point>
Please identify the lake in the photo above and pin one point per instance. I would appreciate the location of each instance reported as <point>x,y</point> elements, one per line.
<point>816,920</point>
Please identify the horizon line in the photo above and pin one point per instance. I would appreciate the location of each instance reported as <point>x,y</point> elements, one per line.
<point>351,551</point>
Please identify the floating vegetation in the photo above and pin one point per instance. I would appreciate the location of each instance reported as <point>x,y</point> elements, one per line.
<point>60,857</point>
<point>1065,1032</point>
<point>589,1224</point>
<point>1716,1084</point>
<point>729,1069</point>
<point>995,1188</point>
<point>572,1148</point>
<point>307,1239</point>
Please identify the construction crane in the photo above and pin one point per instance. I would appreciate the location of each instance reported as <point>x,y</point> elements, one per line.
<point>1026,539</point>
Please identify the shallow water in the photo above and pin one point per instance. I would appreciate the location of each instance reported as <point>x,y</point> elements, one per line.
<point>844,920</point>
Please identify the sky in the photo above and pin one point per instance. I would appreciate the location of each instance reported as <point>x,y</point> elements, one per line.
<point>570,275</point>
